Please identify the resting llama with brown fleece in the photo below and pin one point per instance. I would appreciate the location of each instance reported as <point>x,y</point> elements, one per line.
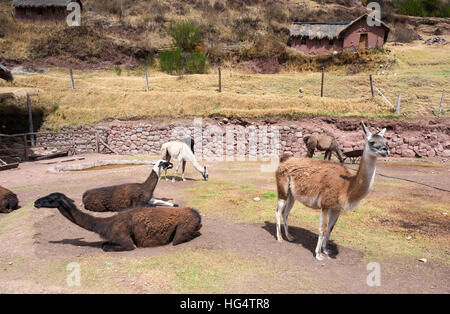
<point>118,197</point>
<point>324,143</point>
<point>327,186</point>
<point>8,201</point>
<point>140,227</point>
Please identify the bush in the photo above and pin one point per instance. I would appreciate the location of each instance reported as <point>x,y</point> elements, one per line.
<point>436,8</point>
<point>186,35</point>
<point>171,61</point>
<point>196,62</point>
<point>183,62</point>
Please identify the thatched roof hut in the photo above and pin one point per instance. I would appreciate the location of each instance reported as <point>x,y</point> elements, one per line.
<point>318,30</point>
<point>5,74</point>
<point>315,37</point>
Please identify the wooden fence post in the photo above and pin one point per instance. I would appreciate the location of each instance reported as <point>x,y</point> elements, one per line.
<point>146,79</point>
<point>321,84</point>
<point>371,86</point>
<point>398,103</point>
<point>25,146</point>
<point>71,79</point>
<point>442,103</point>
<point>220,79</point>
<point>30,120</point>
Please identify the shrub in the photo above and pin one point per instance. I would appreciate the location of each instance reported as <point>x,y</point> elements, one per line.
<point>118,70</point>
<point>196,62</point>
<point>186,35</point>
<point>171,61</point>
<point>183,62</point>
<point>411,7</point>
<point>437,8</point>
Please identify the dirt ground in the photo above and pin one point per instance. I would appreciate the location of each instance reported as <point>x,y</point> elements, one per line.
<point>231,255</point>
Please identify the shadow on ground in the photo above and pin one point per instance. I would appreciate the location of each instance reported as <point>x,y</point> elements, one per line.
<point>301,236</point>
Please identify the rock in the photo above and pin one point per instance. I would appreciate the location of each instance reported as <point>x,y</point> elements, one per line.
<point>256,199</point>
<point>445,214</point>
<point>423,260</point>
<point>408,237</point>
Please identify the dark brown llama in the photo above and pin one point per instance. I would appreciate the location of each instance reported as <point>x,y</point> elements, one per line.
<point>140,227</point>
<point>118,197</point>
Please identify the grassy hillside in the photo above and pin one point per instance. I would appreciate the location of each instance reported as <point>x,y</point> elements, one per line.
<point>233,31</point>
<point>420,74</point>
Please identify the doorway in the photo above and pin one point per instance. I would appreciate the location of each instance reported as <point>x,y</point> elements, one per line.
<point>363,41</point>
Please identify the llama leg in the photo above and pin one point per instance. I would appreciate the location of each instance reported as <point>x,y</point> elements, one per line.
<point>333,216</point>
<point>183,167</point>
<point>286,211</point>
<point>185,232</point>
<point>176,170</point>
<point>114,247</point>
<point>323,225</point>
<point>280,207</point>
<point>165,171</point>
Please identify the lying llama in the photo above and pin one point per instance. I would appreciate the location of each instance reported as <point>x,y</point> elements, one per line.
<point>324,143</point>
<point>119,197</point>
<point>182,153</point>
<point>327,186</point>
<point>140,227</point>
<point>8,201</point>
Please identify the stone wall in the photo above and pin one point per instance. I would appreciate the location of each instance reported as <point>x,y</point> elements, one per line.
<point>136,138</point>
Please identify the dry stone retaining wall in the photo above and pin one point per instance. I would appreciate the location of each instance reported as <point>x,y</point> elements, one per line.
<point>135,138</point>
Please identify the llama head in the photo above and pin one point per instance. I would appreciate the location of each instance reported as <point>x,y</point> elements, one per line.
<point>376,145</point>
<point>205,173</point>
<point>52,200</point>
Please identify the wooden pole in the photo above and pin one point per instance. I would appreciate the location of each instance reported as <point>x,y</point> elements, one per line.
<point>321,84</point>
<point>146,79</point>
<point>442,103</point>
<point>71,79</point>
<point>220,79</point>
<point>398,103</point>
<point>30,120</point>
<point>25,147</point>
<point>384,97</point>
<point>371,86</point>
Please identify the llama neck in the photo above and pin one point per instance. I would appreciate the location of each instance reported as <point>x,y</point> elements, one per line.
<point>79,218</point>
<point>152,181</point>
<point>362,181</point>
<point>197,166</point>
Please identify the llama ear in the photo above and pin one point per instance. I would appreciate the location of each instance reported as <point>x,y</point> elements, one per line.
<point>381,133</point>
<point>366,131</point>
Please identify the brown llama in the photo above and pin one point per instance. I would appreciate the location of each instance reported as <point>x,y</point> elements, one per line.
<point>327,186</point>
<point>8,201</point>
<point>323,143</point>
<point>140,227</point>
<point>118,197</point>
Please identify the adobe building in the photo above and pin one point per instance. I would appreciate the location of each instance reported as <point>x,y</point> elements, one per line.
<point>326,37</point>
<point>42,12</point>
